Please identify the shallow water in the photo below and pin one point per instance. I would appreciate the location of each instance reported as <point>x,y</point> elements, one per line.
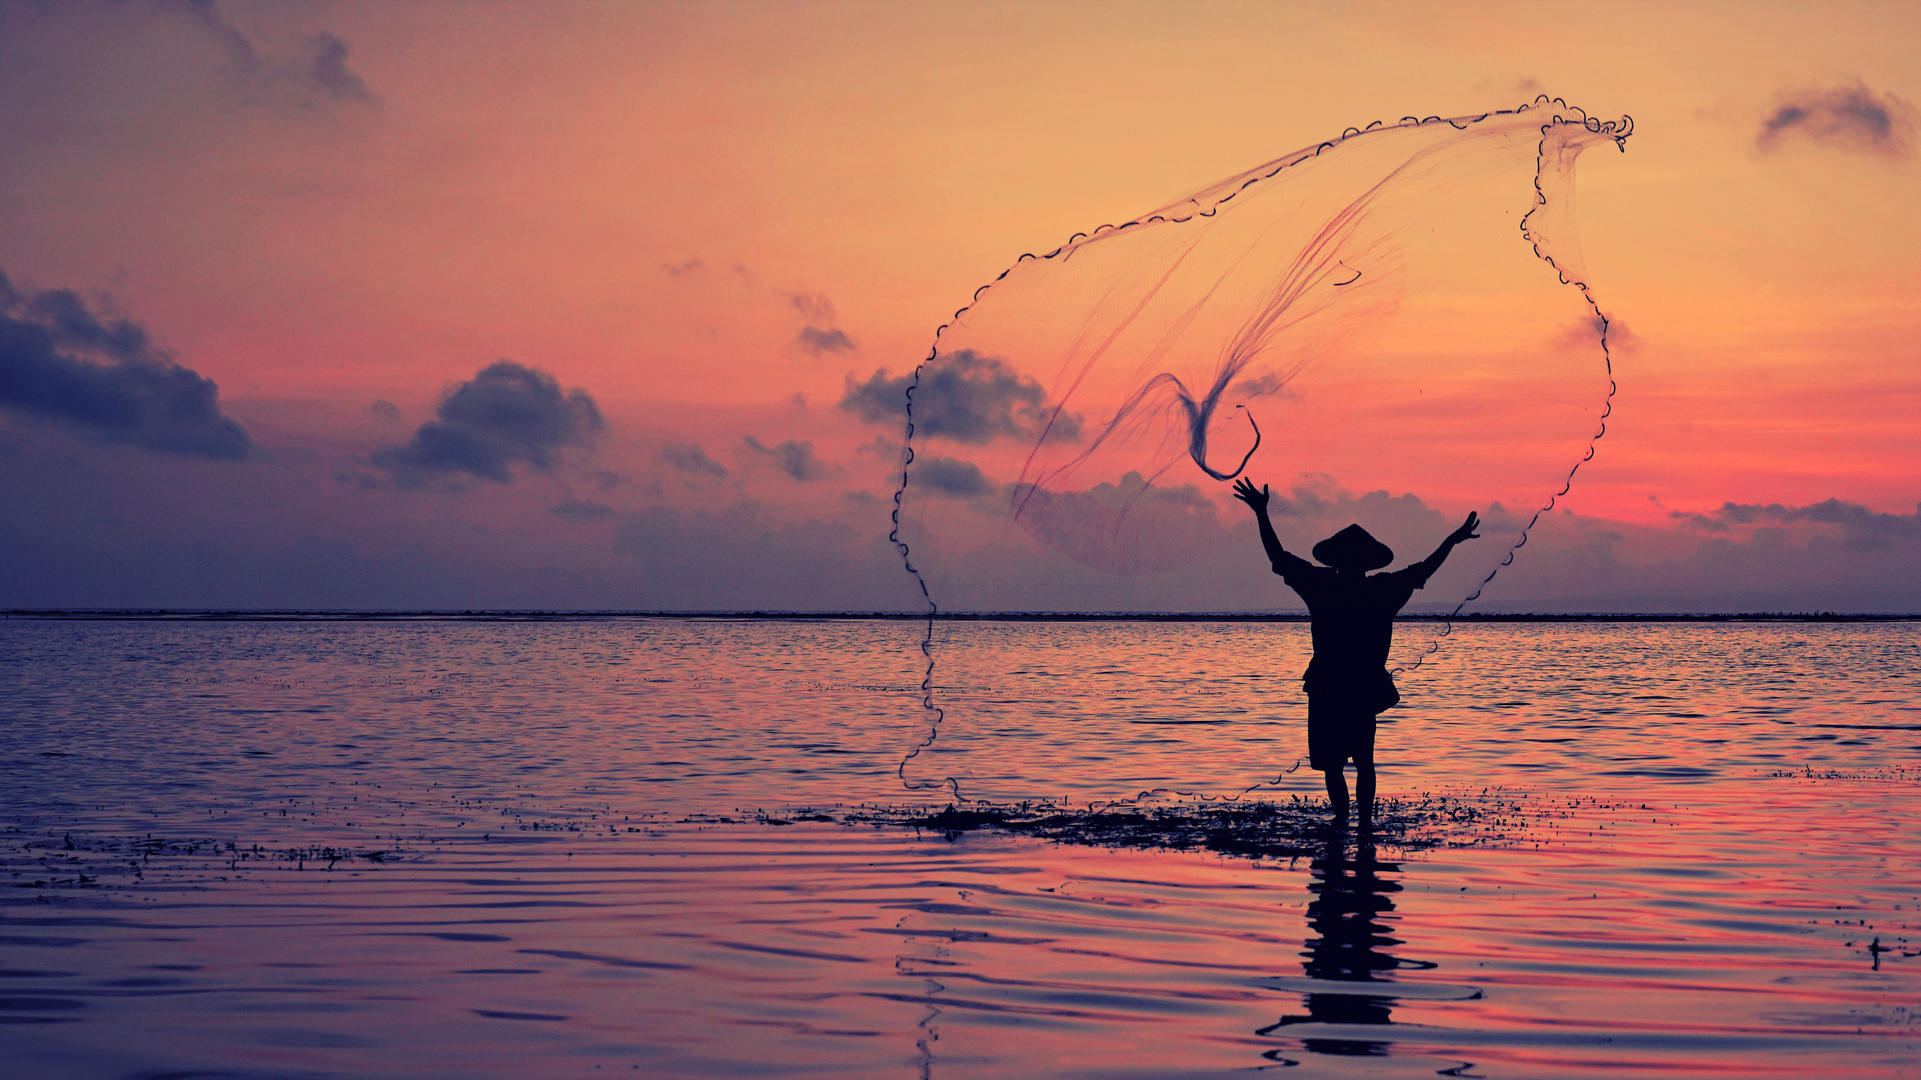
<point>530,848</point>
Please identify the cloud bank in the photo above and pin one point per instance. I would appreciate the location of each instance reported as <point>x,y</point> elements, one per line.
<point>1854,119</point>
<point>313,74</point>
<point>1861,529</point>
<point>793,457</point>
<point>507,413</point>
<point>965,397</point>
<point>739,558</point>
<point>689,458</point>
<point>951,477</point>
<point>819,337</point>
<point>64,364</point>
<point>818,342</point>
<point>581,510</point>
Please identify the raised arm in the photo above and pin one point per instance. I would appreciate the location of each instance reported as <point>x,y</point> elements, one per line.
<point>1466,532</point>
<point>1256,498</point>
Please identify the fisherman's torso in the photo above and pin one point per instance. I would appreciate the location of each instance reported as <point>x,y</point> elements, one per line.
<point>1352,619</point>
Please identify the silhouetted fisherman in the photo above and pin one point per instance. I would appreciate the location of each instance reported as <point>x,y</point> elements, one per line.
<point>1352,614</point>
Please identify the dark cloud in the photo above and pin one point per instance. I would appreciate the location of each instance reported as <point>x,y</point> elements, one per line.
<point>1586,334</point>
<point>313,74</point>
<point>1851,118</point>
<point>1316,508</point>
<point>1132,527</point>
<point>815,306</point>
<point>66,315</point>
<point>817,342</point>
<point>242,56</point>
<point>965,397</point>
<point>1825,556</point>
<point>385,410</point>
<point>1265,385</point>
<point>507,413</point>
<point>819,336</point>
<point>951,476</point>
<point>326,67</point>
<point>1861,529</point>
<point>794,458</point>
<point>138,396</point>
<point>684,268</point>
<point>689,458</point>
<point>576,510</point>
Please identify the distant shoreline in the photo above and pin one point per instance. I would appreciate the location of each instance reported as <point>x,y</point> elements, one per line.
<point>481,615</point>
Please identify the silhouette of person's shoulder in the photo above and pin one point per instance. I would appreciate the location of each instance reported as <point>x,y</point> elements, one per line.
<point>1304,577</point>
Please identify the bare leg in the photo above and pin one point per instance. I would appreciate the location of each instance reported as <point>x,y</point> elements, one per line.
<point>1364,787</point>
<point>1337,790</point>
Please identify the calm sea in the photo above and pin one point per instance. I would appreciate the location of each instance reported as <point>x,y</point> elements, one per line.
<point>638,847</point>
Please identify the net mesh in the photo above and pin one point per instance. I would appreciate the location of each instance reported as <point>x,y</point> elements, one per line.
<point>1390,328</point>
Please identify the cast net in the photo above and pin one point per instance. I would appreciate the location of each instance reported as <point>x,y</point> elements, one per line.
<point>1390,328</point>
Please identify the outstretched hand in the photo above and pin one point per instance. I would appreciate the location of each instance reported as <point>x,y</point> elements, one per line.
<point>1245,491</point>
<point>1466,531</point>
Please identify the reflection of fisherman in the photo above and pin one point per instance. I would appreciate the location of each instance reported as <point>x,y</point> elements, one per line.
<point>1348,912</point>
<point>1347,683</point>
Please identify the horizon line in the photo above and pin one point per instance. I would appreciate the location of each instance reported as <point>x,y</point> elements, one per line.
<point>562,614</point>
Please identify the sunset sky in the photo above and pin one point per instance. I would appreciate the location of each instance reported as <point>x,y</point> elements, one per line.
<point>679,235</point>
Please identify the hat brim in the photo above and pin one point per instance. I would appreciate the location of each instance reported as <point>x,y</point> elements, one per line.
<point>1353,549</point>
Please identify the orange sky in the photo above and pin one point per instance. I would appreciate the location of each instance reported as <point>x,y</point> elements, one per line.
<point>517,179</point>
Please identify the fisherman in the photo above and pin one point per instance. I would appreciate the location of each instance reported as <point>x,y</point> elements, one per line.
<point>1352,615</point>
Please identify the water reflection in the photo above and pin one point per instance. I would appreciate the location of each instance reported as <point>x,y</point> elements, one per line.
<point>1350,916</point>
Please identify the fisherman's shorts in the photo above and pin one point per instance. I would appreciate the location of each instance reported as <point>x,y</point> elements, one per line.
<point>1336,731</point>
